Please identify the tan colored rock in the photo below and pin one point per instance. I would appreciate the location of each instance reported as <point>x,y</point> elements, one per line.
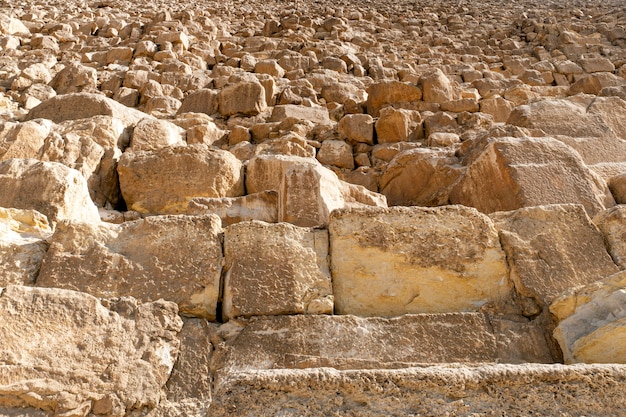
<point>388,262</point>
<point>509,173</point>
<point>121,351</point>
<point>397,125</point>
<point>420,177</point>
<point>612,224</point>
<point>82,106</point>
<point>23,140</point>
<point>201,101</point>
<point>497,107</point>
<point>550,249</point>
<point>58,192</point>
<point>177,175</point>
<point>437,87</point>
<point>357,128</point>
<point>592,320</point>
<point>245,97</point>
<point>75,78</point>
<point>337,153</point>
<point>261,206</point>
<point>23,244</point>
<point>617,185</point>
<point>269,66</point>
<point>150,135</point>
<point>12,26</point>
<point>394,93</point>
<point>177,258</point>
<point>274,269</point>
<point>594,83</point>
<point>266,171</point>
<point>442,139</point>
<point>316,115</point>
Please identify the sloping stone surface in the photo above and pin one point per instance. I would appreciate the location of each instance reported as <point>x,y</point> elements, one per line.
<point>612,223</point>
<point>394,261</point>
<point>70,353</point>
<point>177,258</point>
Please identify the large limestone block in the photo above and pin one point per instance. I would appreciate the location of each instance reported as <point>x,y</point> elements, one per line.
<point>552,248</point>
<point>70,353</point>
<point>612,223</point>
<point>58,192</point>
<point>261,206</point>
<point>274,269</point>
<point>388,262</point>
<point>150,134</point>
<point>164,180</point>
<point>265,171</point>
<point>391,93</point>
<point>23,140</point>
<point>82,106</point>
<point>509,173</point>
<point>420,177</point>
<point>177,258</point>
<point>317,115</point>
<point>350,342</point>
<point>488,390</point>
<point>592,327</point>
<point>245,97</point>
<point>437,87</point>
<point>23,244</point>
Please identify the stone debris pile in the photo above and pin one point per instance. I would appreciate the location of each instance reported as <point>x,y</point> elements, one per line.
<point>312,208</point>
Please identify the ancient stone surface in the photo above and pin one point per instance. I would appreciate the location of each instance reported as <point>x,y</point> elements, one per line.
<point>387,262</point>
<point>68,352</point>
<point>177,258</point>
<point>177,175</point>
<point>612,223</point>
<point>58,192</point>
<point>23,244</point>
<point>275,269</point>
<point>261,206</point>
<point>550,249</point>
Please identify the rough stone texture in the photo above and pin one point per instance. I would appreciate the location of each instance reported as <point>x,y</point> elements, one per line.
<point>612,223</point>
<point>178,258</point>
<point>150,134</point>
<point>357,128</point>
<point>592,322</point>
<point>58,192</point>
<point>394,93</point>
<point>579,390</point>
<point>261,206</point>
<point>273,269</point>
<point>510,173</point>
<point>397,125</point>
<point>617,185</point>
<point>387,262</point>
<point>242,98</point>
<point>552,248</point>
<point>70,353</point>
<point>23,140</point>
<point>177,175</point>
<point>23,244</point>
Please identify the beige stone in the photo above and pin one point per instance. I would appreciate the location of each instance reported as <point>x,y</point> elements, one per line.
<point>357,128</point>
<point>591,322</point>
<point>594,83</point>
<point>265,171</point>
<point>388,262</point>
<point>420,177</point>
<point>150,134</point>
<point>245,97</point>
<point>261,206</point>
<point>337,153</point>
<point>497,107</point>
<point>177,258</point>
<point>397,125</point>
<point>121,351</point>
<point>509,173</point>
<point>201,101</point>
<point>317,115</point>
<point>395,93</point>
<point>58,192</point>
<point>437,87</point>
<point>23,244</point>
<point>612,224</point>
<point>176,175</point>
<point>75,78</point>
<point>274,269</point>
<point>552,248</point>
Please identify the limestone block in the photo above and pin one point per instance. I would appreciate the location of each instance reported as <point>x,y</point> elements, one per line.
<point>176,175</point>
<point>596,64</point>
<point>177,258</point>
<point>150,134</point>
<point>592,322</point>
<point>82,106</point>
<point>337,153</point>
<point>437,87</point>
<point>498,107</point>
<point>274,269</point>
<point>261,206</point>
<point>594,83</point>
<point>388,262</point>
<point>386,93</point>
<point>612,224</point>
<point>75,78</point>
<point>58,192</point>
<point>357,128</point>
<point>244,97</point>
<point>204,101</point>
<point>23,140</point>
<point>552,248</point>
<point>73,354</point>
<point>350,342</point>
<point>12,26</point>
<point>266,171</point>
<point>509,173</point>
<point>23,244</point>
<point>420,177</point>
<point>316,115</point>
<point>343,93</point>
<point>397,125</point>
<point>617,185</point>
<point>269,66</point>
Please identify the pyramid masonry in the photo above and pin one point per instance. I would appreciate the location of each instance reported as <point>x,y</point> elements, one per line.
<point>312,208</point>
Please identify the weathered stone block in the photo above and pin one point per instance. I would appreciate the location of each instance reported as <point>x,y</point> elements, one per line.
<point>612,223</point>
